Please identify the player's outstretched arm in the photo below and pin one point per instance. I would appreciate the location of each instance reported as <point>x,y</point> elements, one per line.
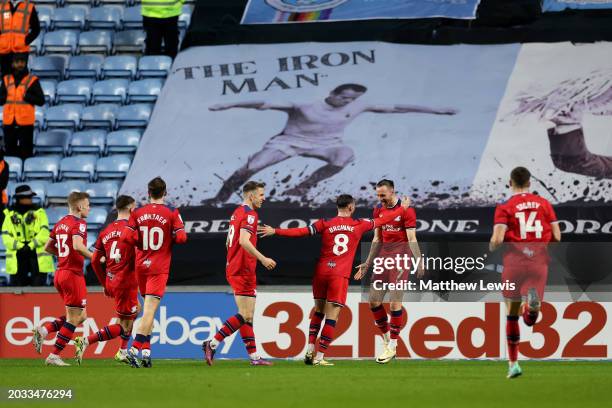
<point>260,105</point>
<point>79,245</point>
<point>268,231</point>
<point>497,239</point>
<point>374,249</point>
<point>402,108</point>
<point>245,242</point>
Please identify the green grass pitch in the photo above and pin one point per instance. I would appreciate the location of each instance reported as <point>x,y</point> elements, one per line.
<point>190,383</point>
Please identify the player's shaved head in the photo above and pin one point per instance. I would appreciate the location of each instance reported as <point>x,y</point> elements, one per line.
<point>251,186</point>
<point>520,177</point>
<point>157,188</point>
<point>123,202</point>
<point>352,87</point>
<point>344,200</point>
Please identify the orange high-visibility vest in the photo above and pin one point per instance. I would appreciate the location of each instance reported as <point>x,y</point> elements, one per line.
<point>14,27</point>
<point>15,108</point>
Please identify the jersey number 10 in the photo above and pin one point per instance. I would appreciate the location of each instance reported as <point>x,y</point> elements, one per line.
<point>152,238</point>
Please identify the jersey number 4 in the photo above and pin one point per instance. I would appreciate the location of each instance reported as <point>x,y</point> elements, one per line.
<point>529,224</point>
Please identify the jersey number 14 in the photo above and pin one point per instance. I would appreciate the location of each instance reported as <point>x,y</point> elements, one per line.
<point>529,224</point>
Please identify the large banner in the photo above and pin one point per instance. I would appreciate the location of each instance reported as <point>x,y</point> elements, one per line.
<point>577,330</point>
<point>299,11</point>
<point>560,5</point>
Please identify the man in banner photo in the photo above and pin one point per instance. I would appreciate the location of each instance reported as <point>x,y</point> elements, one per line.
<point>312,130</point>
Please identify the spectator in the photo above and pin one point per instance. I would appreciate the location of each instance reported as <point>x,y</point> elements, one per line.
<point>25,232</point>
<point>18,28</point>
<point>160,22</point>
<point>19,117</point>
<point>4,178</point>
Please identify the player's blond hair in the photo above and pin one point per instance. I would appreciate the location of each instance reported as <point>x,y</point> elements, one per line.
<point>75,198</point>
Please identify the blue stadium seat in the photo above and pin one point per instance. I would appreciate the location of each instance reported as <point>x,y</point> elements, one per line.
<point>57,193</point>
<point>39,187</point>
<point>119,66</point>
<point>154,66</point>
<point>36,45</point>
<point>84,66</point>
<point>96,218</point>
<point>97,41</point>
<point>62,41</point>
<point>132,18</point>
<point>145,90</point>
<point>52,142</point>
<point>129,41</point>
<point>106,18</point>
<point>54,214</point>
<point>65,116</point>
<point>78,167</point>
<point>113,167</point>
<point>15,167</point>
<point>69,18</point>
<point>39,116</point>
<point>136,115</point>
<point>185,17</point>
<point>103,192</point>
<point>117,2</point>
<point>91,241</point>
<point>48,66</point>
<point>103,115</point>
<point>88,141</point>
<point>75,90</point>
<point>110,90</point>
<point>41,168</point>
<point>45,16</point>
<point>48,87</point>
<point>123,141</point>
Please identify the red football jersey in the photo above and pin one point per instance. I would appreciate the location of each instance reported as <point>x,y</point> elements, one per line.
<point>395,230</point>
<point>528,218</point>
<point>155,227</point>
<point>120,256</point>
<point>239,261</point>
<point>67,258</point>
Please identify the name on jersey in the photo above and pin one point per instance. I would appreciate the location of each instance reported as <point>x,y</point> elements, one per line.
<point>152,217</point>
<point>341,228</point>
<point>63,227</point>
<point>528,205</point>
<point>111,235</point>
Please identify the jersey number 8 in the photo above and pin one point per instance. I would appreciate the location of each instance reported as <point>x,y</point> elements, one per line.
<point>340,244</point>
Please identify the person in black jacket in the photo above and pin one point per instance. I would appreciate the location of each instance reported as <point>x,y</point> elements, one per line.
<point>13,40</point>
<point>18,118</point>
<point>4,179</point>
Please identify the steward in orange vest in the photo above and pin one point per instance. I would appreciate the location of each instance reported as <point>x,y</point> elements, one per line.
<point>19,26</point>
<point>19,93</point>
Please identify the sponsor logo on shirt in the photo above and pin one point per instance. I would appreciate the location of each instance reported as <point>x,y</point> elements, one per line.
<point>331,264</point>
<point>250,219</point>
<point>147,263</point>
<point>82,227</point>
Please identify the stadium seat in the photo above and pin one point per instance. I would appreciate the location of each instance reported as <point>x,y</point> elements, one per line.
<point>132,18</point>
<point>78,3</point>
<point>88,141</point>
<point>97,41</point>
<point>15,167</point>
<point>65,116</point>
<point>103,115</point>
<point>48,87</point>
<point>106,18</point>
<point>54,214</point>
<point>113,167</point>
<point>91,241</point>
<point>119,66</point>
<point>62,41</point>
<point>39,187</point>
<point>110,90</point>
<point>102,192</point>
<point>116,2</point>
<point>36,45</point>
<point>78,167</point>
<point>52,142</point>
<point>154,66</point>
<point>96,218</point>
<point>84,66</point>
<point>41,167</point>
<point>57,193</point>
<point>136,115</point>
<point>129,41</point>
<point>69,18</point>
<point>123,141</point>
<point>185,17</point>
<point>75,90</point>
<point>39,116</point>
<point>145,90</point>
<point>45,16</point>
<point>48,66</point>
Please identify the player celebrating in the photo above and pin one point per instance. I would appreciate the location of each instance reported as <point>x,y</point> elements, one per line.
<point>119,281</point>
<point>312,130</point>
<point>67,241</point>
<point>153,229</point>
<point>527,222</point>
<point>340,238</point>
<point>389,240</point>
<point>242,257</point>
